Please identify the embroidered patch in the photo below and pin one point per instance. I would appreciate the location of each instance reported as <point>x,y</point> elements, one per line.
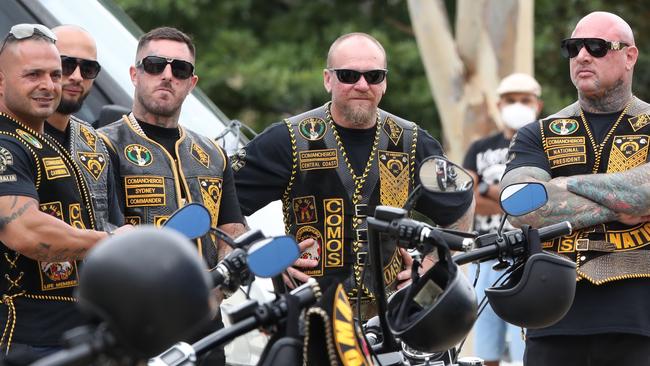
<point>313,252</point>
<point>562,151</point>
<point>138,155</point>
<point>159,221</point>
<point>211,189</point>
<point>57,275</point>
<point>393,130</point>
<point>238,160</point>
<point>76,221</point>
<point>312,129</point>
<point>564,127</point>
<point>639,121</point>
<point>53,209</point>
<point>6,159</point>
<point>334,232</point>
<point>144,191</point>
<point>55,168</point>
<point>304,209</point>
<point>88,137</point>
<point>319,159</point>
<point>633,238</point>
<point>200,155</point>
<point>393,177</point>
<point>627,152</point>
<point>93,162</point>
<point>344,327</point>
<point>132,220</point>
<point>29,138</point>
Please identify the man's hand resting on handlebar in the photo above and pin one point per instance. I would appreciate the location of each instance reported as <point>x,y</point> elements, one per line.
<point>300,264</point>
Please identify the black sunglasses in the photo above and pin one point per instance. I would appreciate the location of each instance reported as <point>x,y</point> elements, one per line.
<point>25,30</point>
<point>596,47</point>
<point>89,68</point>
<point>155,65</point>
<point>347,76</point>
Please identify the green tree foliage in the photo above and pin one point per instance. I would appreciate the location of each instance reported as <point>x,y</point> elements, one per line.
<point>262,60</point>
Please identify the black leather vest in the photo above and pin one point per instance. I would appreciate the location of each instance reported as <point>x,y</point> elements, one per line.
<point>605,252</point>
<point>154,183</point>
<point>326,201</point>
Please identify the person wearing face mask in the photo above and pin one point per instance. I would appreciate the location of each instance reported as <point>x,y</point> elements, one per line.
<point>519,104</point>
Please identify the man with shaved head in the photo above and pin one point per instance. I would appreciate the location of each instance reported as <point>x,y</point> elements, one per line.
<point>79,69</point>
<point>333,165</point>
<point>592,157</point>
<point>46,211</point>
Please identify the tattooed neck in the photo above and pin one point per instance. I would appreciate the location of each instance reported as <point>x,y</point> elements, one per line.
<point>611,100</point>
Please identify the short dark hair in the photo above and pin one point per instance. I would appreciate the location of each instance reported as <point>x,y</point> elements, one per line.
<point>168,33</point>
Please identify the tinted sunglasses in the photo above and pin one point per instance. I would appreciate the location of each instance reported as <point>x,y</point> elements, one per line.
<point>155,65</point>
<point>24,31</point>
<point>596,47</point>
<point>88,68</point>
<point>347,76</point>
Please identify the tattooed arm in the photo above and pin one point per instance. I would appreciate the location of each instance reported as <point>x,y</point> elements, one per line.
<point>626,192</point>
<point>233,230</point>
<point>562,205</point>
<point>37,235</point>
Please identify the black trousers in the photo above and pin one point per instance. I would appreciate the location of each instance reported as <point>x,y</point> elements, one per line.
<point>591,350</point>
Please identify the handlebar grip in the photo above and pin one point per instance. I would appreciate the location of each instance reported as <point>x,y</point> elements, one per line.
<point>555,230</point>
<point>218,277</point>
<point>454,242</point>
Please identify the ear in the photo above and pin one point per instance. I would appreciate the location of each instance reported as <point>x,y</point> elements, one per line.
<point>133,71</point>
<point>2,83</point>
<point>194,79</point>
<point>632,54</point>
<point>327,80</point>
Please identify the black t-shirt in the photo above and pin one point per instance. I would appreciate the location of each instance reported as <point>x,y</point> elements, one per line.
<point>115,215</point>
<point>21,167</point>
<point>267,169</point>
<point>615,307</point>
<point>167,137</point>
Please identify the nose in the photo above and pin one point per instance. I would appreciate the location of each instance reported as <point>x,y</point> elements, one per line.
<point>362,84</point>
<point>583,55</point>
<point>76,75</point>
<point>167,72</point>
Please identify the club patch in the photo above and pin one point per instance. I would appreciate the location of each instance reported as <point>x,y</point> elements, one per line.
<point>627,152</point>
<point>138,155</point>
<point>393,130</point>
<point>639,121</point>
<point>211,189</point>
<point>29,138</point>
<point>238,160</point>
<point>93,162</point>
<point>564,127</point>
<point>76,220</point>
<point>304,210</point>
<point>88,137</point>
<point>312,129</point>
<point>334,232</point>
<point>393,177</point>
<point>132,220</point>
<point>562,151</point>
<point>144,191</point>
<point>344,329</point>
<point>6,159</point>
<point>57,275</point>
<point>313,252</point>
<point>55,168</point>
<point>318,159</point>
<point>159,221</point>
<point>200,155</point>
<point>54,209</point>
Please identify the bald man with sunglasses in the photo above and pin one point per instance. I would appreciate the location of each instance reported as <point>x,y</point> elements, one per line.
<point>592,157</point>
<point>79,69</point>
<point>333,165</point>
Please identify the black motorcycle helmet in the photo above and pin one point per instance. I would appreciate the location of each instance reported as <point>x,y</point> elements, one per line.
<point>150,286</point>
<point>436,312</point>
<point>538,293</point>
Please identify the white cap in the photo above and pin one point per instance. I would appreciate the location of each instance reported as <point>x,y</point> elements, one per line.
<point>519,83</point>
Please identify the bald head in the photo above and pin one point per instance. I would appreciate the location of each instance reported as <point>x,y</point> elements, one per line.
<point>354,38</point>
<point>75,41</point>
<point>611,26</point>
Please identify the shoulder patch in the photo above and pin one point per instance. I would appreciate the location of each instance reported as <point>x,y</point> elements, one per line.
<point>29,138</point>
<point>200,155</point>
<point>312,129</point>
<point>564,127</point>
<point>639,121</point>
<point>393,130</point>
<point>88,137</point>
<point>138,155</point>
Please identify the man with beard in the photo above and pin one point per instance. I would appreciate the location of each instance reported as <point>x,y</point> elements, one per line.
<point>160,165</point>
<point>332,165</point>
<point>80,68</point>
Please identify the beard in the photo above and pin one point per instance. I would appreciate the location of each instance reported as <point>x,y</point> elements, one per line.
<point>359,116</point>
<point>68,106</point>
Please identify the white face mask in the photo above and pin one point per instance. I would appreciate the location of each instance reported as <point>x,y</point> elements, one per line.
<point>517,115</point>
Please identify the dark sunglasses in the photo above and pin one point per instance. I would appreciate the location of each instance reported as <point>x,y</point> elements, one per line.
<point>155,65</point>
<point>25,30</point>
<point>596,47</point>
<point>347,76</point>
<point>88,68</point>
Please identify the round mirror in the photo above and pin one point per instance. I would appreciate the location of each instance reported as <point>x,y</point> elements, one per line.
<point>437,174</point>
<point>268,258</point>
<point>521,198</point>
<point>191,220</point>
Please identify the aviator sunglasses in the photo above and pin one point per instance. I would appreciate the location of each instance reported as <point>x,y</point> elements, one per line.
<point>25,30</point>
<point>596,47</point>
<point>155,65</point>
<point>89,69</point>
<point>347,76</point>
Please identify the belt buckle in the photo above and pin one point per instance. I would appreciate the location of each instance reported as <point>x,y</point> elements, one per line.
<point>358,210</point>
<point>582,245</point>
<point>361,235</point>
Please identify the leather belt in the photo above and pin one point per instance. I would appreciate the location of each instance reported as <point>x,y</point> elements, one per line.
<point>583,245</point>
